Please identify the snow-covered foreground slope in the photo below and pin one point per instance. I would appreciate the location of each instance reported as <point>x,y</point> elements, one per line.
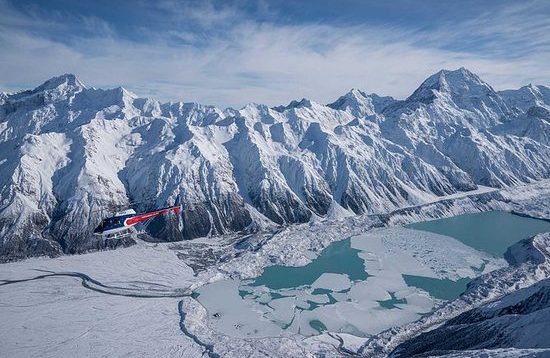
<point>518,320</point>
<point>115,303</point>
<point>137,301</point>
<point>69,154</point>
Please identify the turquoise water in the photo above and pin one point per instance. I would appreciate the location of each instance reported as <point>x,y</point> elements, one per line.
<point>392,302</point>
<point>444,289</point>
<point>492,231</point>
<point>317,325</point>
<point>338,257</point>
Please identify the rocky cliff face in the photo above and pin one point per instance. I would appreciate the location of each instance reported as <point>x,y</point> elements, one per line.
<point>69,154</point>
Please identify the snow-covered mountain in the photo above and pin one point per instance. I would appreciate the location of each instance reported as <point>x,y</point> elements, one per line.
<point>527,97</point>
<point>69,153</point>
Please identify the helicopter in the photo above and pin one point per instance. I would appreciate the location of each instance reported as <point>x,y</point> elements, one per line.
<point>118,225</point>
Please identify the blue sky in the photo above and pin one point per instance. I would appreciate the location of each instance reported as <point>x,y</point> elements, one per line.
<point>229,53</point>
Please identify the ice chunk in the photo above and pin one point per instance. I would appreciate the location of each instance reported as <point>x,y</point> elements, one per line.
<point>332,281</point>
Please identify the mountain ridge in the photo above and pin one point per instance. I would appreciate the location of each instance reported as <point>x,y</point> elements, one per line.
<point>68,151</point>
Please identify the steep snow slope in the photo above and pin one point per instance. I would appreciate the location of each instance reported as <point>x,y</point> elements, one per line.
<point>527,97</point>
<point>69,154</point>
<point>449,122</point>
<point>360,104</point>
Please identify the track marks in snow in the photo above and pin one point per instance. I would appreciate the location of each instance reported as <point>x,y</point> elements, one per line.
<point>97,286</point>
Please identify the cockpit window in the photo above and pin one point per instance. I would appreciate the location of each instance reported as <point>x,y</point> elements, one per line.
<point>113,221</point>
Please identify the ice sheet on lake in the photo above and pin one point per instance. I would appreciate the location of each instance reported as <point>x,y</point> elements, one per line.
<point>335,303</point>
<point>333,282</point>
<point>422,253</point>
<point>230,314</point>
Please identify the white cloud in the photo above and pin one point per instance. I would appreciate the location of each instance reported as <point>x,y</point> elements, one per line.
<point>250,61</point>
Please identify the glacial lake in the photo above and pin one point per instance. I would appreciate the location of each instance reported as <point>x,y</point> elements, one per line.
<point>491,231</point>
<point>364,284</point>
<point>339,257</point>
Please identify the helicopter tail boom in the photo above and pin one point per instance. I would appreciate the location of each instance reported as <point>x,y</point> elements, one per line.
<point>146,216</point>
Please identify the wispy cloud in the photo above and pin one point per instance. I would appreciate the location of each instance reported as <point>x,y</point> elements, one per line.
<point>512,31</point>
<point>226,58</point>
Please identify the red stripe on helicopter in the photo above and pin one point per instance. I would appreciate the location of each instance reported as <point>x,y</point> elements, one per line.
<point>143,217</point>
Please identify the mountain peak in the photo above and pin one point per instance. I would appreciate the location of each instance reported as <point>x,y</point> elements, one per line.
<point>354,92</point>
<point>360,104</point>
<point>54,89</point>
<point>304,102</point>
<point>527,96</point>
<point>537,90</point>
<point>356,102</point>
<point>126,93</point>
<point>452,82</point>
<point>67,80</point>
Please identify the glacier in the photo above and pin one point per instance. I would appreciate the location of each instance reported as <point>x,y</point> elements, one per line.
<point>70,154</point>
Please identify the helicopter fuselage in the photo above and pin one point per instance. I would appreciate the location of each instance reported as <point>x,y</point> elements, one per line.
<point>126,219</point>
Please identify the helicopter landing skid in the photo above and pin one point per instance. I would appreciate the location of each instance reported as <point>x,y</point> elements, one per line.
<point>117,235</point>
